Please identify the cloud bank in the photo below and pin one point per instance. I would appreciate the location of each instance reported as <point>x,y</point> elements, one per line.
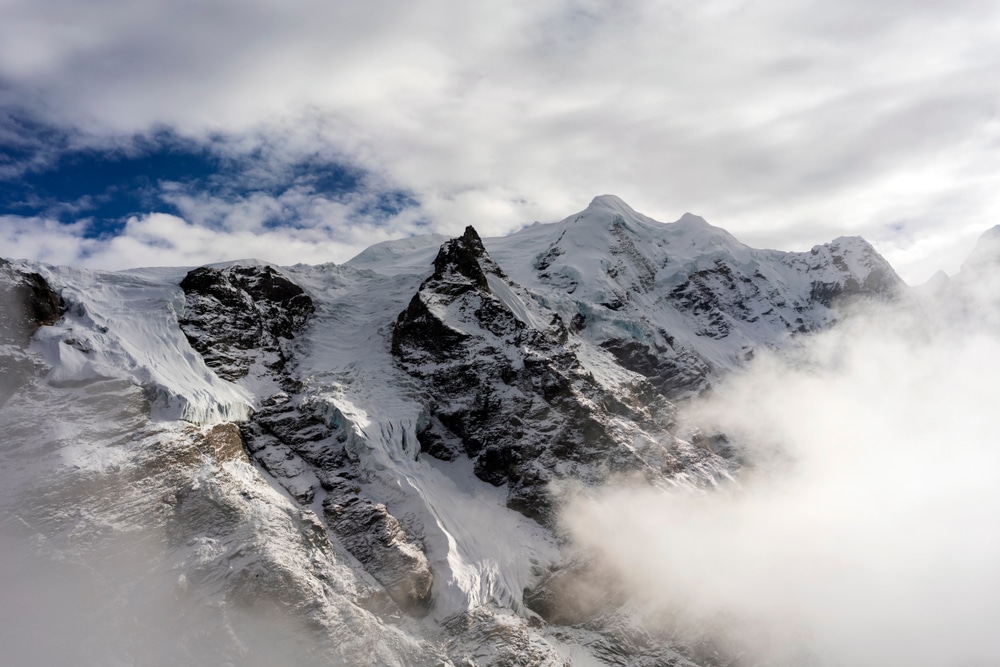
<point>787,122</point>
<point>863,534</point>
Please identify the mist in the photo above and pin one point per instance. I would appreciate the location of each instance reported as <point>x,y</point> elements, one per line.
<point>863,529</point>
<point>60,610</point>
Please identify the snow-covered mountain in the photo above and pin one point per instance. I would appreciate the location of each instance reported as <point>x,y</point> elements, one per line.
<point>363,463</point>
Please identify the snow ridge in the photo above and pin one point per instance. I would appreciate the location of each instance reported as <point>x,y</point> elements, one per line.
<point>688,293</point>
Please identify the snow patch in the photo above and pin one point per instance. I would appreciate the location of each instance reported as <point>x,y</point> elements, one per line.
<point>125,325</point>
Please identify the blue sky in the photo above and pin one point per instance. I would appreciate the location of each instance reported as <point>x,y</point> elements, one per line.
<point>102,185</point>
<point>109,186</point>
<point>304,131</point>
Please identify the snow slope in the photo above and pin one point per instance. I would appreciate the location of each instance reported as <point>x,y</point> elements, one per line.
<point>125,325</point>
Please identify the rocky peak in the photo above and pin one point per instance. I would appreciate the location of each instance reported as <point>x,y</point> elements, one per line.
<point>465,258</point>
<point>851,267</point>
<point>460,271</point>
<point>509,392</point>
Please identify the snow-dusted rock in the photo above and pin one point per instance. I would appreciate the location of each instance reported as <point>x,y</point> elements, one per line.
<point>27,302</point>
<point>683,303</point>
<point>245,317</point>
<point>516,399</point>
<point>241,315</point>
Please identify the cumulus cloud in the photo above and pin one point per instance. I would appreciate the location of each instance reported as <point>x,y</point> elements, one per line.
<point>862,534</point>
<point>212,230</point>
<point>779,121</point>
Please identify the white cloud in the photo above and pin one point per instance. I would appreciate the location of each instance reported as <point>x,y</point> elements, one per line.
<point>864,535</point>
<point>222,231</point>
<point>780,121</point>
<point>43,239</point>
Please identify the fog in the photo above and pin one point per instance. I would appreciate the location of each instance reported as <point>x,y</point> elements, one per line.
<point>864,529</point>
<point>135,607</point>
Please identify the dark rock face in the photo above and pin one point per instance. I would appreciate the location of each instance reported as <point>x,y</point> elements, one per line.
<point>27,302</point>
<point>721,298</point>
<point>307,456</point>
<point>482,638</point>
<point>466,257</point>
<point>857,269</point>
<point>377,539</point>
<point>234,314</point>
<point>716,297</point>
<point>514,399</point>
<point>239,314</point>
<point>879,278</point>
<point>685,302</point>
<point>673,373</point>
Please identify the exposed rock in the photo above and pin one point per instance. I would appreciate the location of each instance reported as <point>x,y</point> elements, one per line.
<point>687,293</point>
<point>307,457</point>
<point>223,442</point>
<point>466,257</point>
<point>673,373</point>
<point>235,317</point>
<point>27,302</point>
<point>240,314</point>
<point>485,637</point>
<point>516,399</point>
<point>375,538</point>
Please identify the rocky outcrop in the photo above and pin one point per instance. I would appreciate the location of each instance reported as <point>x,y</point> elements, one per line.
<point>242,314</point>
<point>377,539</point>
<point>576,593</point>
<point>482,637</point>
<point>516,399</point>
<point>132,541</point>
<point>243,317</point>
<point>307,456</point>
<point>846,268</point>
<point>27,302</point>
<point>674,372</point>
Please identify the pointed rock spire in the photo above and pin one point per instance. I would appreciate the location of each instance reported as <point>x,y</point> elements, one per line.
<point>466,257</point>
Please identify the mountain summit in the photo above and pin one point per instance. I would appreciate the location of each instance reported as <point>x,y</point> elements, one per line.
<point>684,302</point>
<point>364,464</point>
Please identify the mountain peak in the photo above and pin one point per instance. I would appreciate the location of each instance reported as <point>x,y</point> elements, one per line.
<point>465,256</point>
<point>692,220</point>
<point>611,203</point>
<point>987,251</point>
